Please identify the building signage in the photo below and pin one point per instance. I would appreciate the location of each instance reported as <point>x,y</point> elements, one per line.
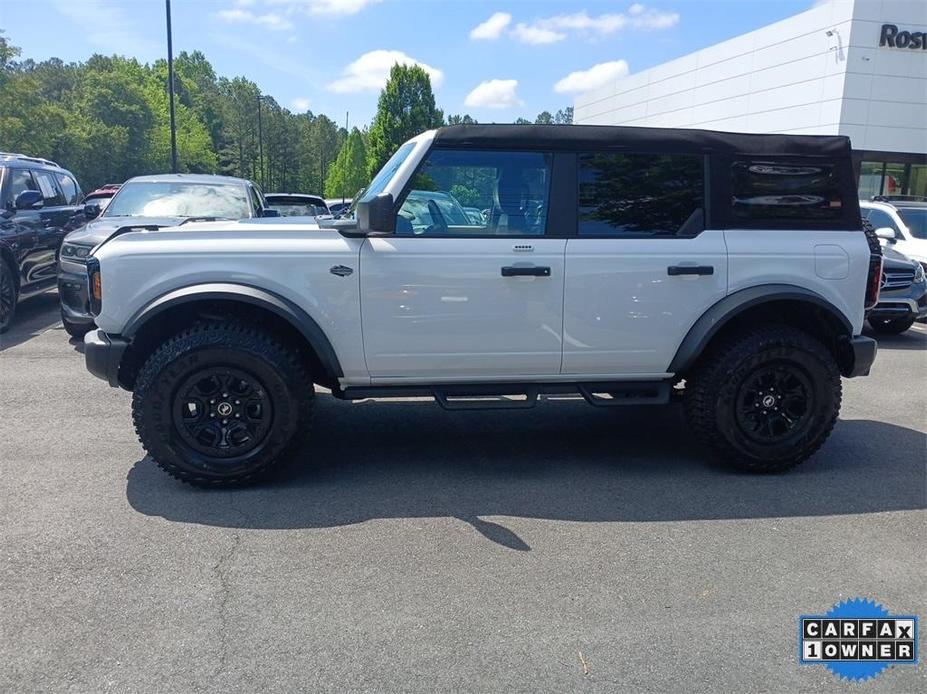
<point>893,38</point>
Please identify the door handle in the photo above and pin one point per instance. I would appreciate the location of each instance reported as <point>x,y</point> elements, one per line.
<point>525,271</point>
<point>674,270</point>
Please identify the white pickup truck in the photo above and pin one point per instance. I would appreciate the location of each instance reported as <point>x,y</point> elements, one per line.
<point>629,265</point>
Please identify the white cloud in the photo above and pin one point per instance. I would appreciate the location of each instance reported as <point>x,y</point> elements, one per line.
<point>493,27</point>
<point>593,78</point>
<point>111,29</point>
<point>556,28</point>
<point>324,7</point>
<point>536,35</point>
<point>271,20</point>
<point>494,94</point>
<point>301,104</point>
<point>643,17</point>
<point>370,72</point>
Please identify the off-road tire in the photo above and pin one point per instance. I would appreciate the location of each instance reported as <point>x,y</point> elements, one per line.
<point>76,330</point>
<point>280,381</point>
<point>719,397</point>
<point>891,326</point>
<point>9,293</point>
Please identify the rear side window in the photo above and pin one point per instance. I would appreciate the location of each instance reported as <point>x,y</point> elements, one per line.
<point>641,194</point>
<point>69,189</point>
<point>771,190</point>
<point>49,188</point>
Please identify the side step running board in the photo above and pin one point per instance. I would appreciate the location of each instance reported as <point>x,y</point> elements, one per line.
<point>465,398</point>
<point>618,394</point>
<point>502,396</point>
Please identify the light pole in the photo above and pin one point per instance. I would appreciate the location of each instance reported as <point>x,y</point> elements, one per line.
<point>170,87</point>
<point>260,140</point>
<point>346,136</point>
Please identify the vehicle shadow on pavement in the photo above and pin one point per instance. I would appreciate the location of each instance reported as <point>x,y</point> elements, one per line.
<point>912,339</point>
<point>560,461</point>
<point>33,317</point>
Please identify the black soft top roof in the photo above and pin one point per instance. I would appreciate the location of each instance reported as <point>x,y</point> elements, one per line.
<point>617,137</point>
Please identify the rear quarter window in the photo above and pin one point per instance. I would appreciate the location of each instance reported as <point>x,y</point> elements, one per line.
<point>773,190</point>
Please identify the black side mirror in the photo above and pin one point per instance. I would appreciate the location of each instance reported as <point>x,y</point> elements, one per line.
<point>378,215</point>
<point>29,200</point>
<point>91,210</point>
<point>270,213</point>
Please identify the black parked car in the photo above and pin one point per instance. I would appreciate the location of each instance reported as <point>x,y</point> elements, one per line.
<point>151,202</point>
<point>38,199</point>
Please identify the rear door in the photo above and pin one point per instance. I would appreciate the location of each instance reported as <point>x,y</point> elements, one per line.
<point>445,299</point>
<point>642,267</point>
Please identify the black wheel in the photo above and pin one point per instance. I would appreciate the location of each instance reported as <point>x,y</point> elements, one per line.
<point>221,405</point>
<point>766,399</point>
<point>891,326</point>
<point>77,330</point>
<point>8,296</point>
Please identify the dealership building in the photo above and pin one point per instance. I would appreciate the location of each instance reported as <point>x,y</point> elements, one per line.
<point>845,67</point>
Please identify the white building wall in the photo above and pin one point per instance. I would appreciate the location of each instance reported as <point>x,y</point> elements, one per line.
<point>789,77</point>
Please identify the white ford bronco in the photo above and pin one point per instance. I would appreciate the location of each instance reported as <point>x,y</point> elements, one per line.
<point>491,265</point>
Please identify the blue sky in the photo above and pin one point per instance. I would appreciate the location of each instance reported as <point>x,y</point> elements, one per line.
<point>493,59</point>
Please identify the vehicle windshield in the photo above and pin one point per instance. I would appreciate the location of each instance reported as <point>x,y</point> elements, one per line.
<point>179,199</point>
<point>915,218</point>
<point>297,209</point>
<point>386,174</point>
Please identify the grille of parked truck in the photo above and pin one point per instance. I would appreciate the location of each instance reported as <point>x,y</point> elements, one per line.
<point>622,264</point>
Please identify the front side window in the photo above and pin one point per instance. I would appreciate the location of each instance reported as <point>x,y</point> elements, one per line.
<point>770,190</point>
<point>506,193</point>
<point>640,194</point>
<point>20,180</point>
<point>179,199</point>
<point>49,188</point>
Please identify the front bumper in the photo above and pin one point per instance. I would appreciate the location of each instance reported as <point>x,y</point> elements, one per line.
<point>73,293</point>
<point>103,355</point>
<point>861,352</point>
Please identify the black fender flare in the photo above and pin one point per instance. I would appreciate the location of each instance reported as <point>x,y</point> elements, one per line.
<point>716,317</point>
<point>281,306</point>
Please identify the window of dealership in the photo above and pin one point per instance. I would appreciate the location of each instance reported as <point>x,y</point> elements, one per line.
<point>846,67</point>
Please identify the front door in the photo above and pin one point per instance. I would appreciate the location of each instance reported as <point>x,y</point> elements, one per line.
<point>470,287</point>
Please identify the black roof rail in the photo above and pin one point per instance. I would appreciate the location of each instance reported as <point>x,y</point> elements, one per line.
<point>23,157</point>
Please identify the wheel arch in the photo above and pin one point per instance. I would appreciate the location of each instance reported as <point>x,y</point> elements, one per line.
<point>6,256</point>
<point>783,303</point>
<point>219,299</point>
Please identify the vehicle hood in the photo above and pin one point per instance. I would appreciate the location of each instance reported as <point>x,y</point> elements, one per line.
<point>98,230</point>
<point>893,258</point>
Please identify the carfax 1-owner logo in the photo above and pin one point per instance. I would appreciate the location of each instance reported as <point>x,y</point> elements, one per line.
<point>857,639</point>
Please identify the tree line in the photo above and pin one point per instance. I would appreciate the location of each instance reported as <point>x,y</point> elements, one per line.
<point>107,119</point>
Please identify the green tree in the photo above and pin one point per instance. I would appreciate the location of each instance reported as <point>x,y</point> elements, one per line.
<point>564,116</point>
<point>465,119</point>
<point>544,118</point>
<point>349,172</point>
<point>406,108</point>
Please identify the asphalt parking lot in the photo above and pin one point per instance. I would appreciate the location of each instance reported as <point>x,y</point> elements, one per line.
<point>561,549</point>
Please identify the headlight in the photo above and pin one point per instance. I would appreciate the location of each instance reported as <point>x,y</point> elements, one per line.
<point>72,251</point>
<point>919,274</point>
